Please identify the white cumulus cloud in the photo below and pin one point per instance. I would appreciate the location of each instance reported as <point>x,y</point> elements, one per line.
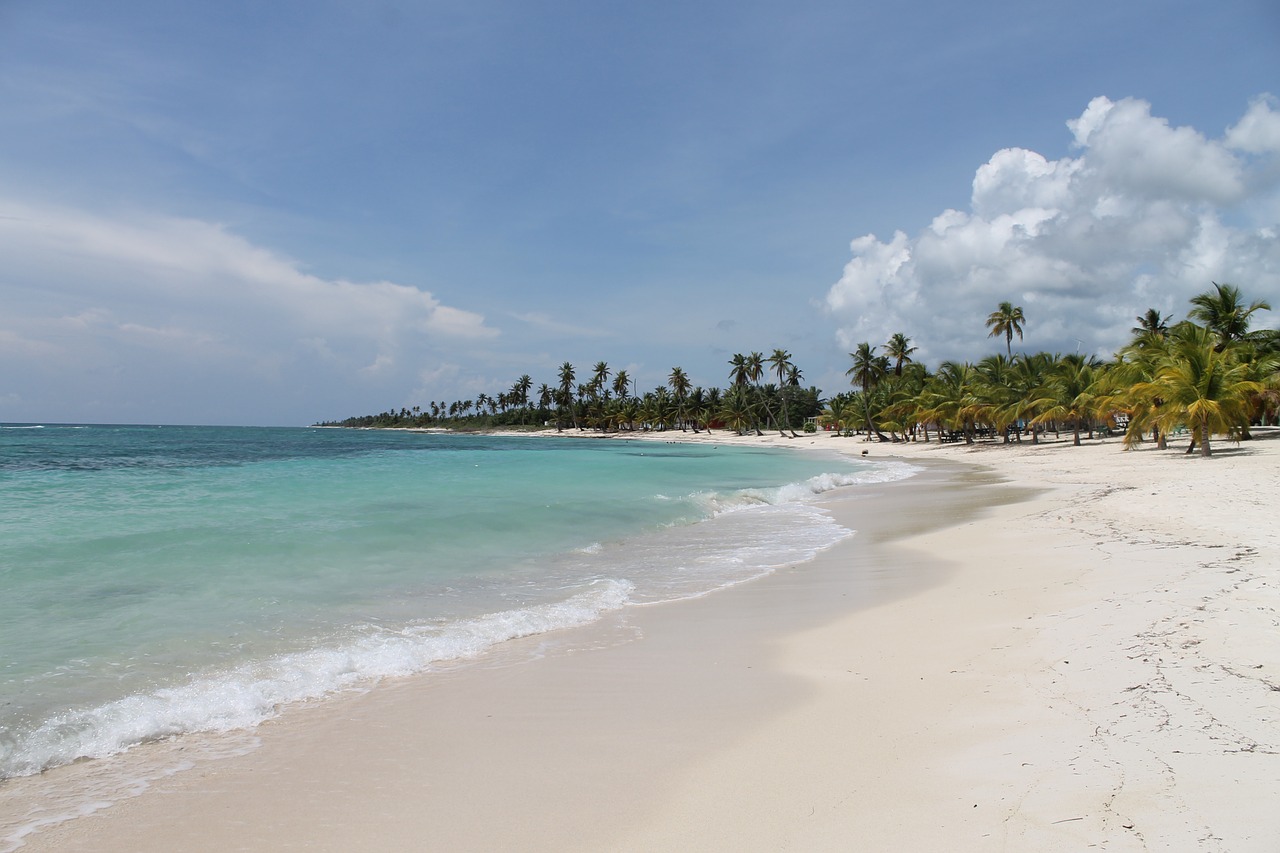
<point>1140,215</point>
<point>1258,131</point>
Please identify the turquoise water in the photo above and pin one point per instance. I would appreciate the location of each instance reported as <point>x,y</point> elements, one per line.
<point>162,580</point>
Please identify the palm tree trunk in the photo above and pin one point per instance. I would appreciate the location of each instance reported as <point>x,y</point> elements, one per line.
<point>1204,439</point>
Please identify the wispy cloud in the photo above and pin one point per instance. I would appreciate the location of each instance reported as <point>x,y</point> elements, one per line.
<point>165,304</point>
<point>219,281</point>
<point>546,323</point>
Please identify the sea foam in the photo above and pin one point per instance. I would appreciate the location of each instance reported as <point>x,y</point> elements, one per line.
<point>202,579</point>
<point>247,695</point>
<point>805,491</point>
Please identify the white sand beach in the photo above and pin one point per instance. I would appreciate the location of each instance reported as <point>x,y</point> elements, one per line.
<point>1035,647</point>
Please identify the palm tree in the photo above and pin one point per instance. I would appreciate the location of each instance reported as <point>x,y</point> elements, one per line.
<point>680,385</point>
<point>678,382</point>
<point>1130,389</point>
<point>903,404</point>
<point>629,412</point>
<point>1204,388</point>
<point>868,369</point>
<point>842,412</point>
<point>659,408</point>
<point>737,410</point>
<point>1006,320</point>
<point>695,408</point>
<point>740,374</point>
<point>711,407</point>
<point>520,391</point>
<point>1223,312</point>
<point>949,401</point>
<point>1030,372</point>
<point>996,390</point>
<point>899,349</point>
<point>780,361</point>
<point>1071,393</point>
<point>620,384</point>
<point>565,397</point>
<point>600,377</point>
<point>1151,323</point>
<point>755,371</point>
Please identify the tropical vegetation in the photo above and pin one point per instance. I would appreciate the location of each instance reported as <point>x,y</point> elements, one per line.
<point>1208,375</point>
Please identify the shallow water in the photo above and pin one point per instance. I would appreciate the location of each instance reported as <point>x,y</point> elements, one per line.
<point>162,580</point>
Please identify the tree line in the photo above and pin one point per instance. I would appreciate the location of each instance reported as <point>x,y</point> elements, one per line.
<point>1203,376</point>
<point>1206,375</point>
<point>607,400</point>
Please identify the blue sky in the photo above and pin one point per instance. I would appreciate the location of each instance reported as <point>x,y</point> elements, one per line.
<point>278,213</point>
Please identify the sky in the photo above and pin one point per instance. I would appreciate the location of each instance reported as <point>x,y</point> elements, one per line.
<point>280,213</point>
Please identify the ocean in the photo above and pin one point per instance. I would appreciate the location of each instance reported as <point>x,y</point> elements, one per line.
<point>156,581</point>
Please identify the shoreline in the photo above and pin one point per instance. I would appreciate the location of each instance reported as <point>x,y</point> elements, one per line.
<point>958,675</point>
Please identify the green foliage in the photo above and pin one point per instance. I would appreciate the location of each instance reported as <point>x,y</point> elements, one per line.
<point>1212,377</point>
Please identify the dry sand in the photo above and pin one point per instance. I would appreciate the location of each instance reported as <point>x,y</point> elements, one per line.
<point>1086,655</point>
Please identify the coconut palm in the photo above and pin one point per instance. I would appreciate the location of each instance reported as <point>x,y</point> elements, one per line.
<point>780,361</point>
<point>1071,393</point>
<point>737,409</point>
<point>679,383</point>
<point>904,400</point>
<point>565,397</point>
<point>659,408</point>
<point>620,384</point>
<point>867,370</point>
<point>626,412</point>
<point>600,378</point>
<point>1151,323</point>
<point>711,407</point>
<point>740,374</point>
<point>1204,388</point>
<point>1223,312</point>
<point>949,401</point>
<point>695,408</point>
<point>1007,321</point>
<point>520,391</point>
<point>1130,389</point>
<point>899,349</point>
<point>1030,372</point>
<point>842,412</point>
<point>997,393</point>
<point>1264,368</point>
